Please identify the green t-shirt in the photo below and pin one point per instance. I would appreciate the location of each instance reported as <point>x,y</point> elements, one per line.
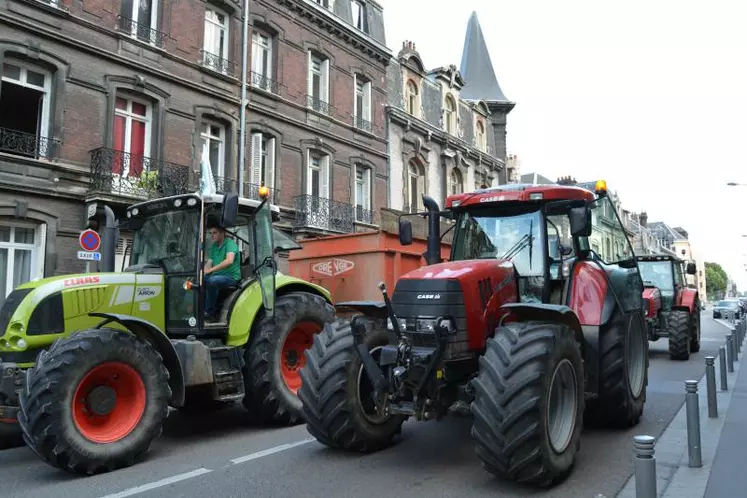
<point>218,255</point>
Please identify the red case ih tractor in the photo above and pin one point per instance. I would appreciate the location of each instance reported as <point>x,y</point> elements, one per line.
<point>672,308</point>
<point>528,327</point>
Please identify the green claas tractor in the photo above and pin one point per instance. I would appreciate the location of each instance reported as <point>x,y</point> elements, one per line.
<point>91,363</point>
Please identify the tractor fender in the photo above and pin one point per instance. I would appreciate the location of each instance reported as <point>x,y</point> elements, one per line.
<point>146,331</point>
<point>687,300</point>
<point>557,313</point>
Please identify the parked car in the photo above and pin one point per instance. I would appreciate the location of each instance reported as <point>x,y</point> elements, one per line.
<point>727,306</point>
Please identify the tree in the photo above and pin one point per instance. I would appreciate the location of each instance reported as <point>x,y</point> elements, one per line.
<point>716,280</point>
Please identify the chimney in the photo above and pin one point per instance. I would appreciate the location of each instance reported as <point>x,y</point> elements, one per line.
<point>644,219</point>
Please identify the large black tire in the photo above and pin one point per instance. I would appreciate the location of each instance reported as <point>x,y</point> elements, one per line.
<point>512,409</point>
<point>694,327</point>
<point>680,336</point>
<point>48,403</point>
<point>623,373</point>
<point>338,412</point>
<point>269,397</point>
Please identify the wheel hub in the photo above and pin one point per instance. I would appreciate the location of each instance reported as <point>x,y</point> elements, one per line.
<point>561,406</point>
<point>102,400</point>
<point>291,359</point>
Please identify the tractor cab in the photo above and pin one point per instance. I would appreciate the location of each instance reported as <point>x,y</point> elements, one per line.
<point>666,273</point>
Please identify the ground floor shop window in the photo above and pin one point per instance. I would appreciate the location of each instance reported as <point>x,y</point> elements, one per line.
<point>21,255</point>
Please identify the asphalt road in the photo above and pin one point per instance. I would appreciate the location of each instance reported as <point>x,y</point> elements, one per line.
<point>220,455</point>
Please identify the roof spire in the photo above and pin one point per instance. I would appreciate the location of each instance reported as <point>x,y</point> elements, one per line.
<point>476,68</point>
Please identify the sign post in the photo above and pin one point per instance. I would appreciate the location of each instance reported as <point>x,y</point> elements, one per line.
<point>89,241</point>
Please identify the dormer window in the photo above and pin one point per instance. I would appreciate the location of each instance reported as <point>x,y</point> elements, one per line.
<point>412,102</point>
<point>450,115</point>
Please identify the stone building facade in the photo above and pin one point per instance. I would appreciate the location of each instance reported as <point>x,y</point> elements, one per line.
<point>98,97</point>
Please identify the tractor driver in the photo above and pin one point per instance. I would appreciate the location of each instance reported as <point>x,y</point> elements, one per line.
<point>222,268</point>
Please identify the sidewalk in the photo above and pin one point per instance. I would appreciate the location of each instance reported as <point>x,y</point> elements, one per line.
<point>723,445</point>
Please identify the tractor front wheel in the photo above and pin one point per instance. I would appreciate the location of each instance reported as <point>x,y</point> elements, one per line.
<point>95,401</point>
<point>276,355</point>
<point>337,395</point>
<point>680,335</point>
<point>529,403</point>
<point>695,327</point>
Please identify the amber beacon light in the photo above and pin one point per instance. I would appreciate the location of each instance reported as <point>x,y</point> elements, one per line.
<point>601,187</point>
<point>264,192</point>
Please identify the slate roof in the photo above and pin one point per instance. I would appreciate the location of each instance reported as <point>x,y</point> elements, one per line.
<point>477,69</point>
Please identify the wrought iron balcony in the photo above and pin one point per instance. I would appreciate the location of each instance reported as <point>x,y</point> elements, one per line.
<point>364,215</point>
<point>362,124</point>
<point>225,184</point>
<point>259,80</point>
<point>251,191</point>
<point>323,214</point>
<point>28,144</point>
<point>318,105</point>
<point>217,63</point>
<point>141,31</point>
<point>119,173</point>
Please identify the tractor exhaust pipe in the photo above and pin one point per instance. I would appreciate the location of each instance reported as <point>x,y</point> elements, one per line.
<point>109,241</point>
<point>433,244</point>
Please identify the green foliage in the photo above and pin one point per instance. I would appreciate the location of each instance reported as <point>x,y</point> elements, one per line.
<point>716,280</point>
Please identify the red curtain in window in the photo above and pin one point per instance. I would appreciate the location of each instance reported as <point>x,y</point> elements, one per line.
<point>137,148</point>
<point>119,144</point>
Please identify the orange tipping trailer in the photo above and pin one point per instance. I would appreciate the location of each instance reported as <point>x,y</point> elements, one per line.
<point>351,266</point>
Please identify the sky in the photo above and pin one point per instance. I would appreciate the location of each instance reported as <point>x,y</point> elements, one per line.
<point>649,95</point>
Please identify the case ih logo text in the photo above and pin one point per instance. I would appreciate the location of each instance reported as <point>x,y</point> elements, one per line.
<point>70,282</point>
<point>429,296</point>
<point>333,267</point>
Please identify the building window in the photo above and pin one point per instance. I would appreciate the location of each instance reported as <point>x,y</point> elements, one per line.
<point>318,83</point>
<point>362,104</point>
<point>139,18</point>
<point>214,135</point>
<point>481,142</point>
<point>415,185</point>
<point>24,110</point>
<point>412,103</point>
<point>327,4</point>
<point>262,60</point>
<point>131,137</point>
<point>359,15</point>
<point>263,160</point>
<point>449,115</point>
<point>215,49</point>
<point>456,186</point>
<point>21,255</point>
<point>362,194</point>
<point>317,182</point>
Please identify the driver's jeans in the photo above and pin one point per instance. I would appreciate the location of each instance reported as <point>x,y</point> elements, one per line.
<point>213,284</point>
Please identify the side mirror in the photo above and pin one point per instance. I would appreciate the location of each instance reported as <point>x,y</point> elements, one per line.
<point>580,218</point>
<point>405,232</point>
<point>691,269</point>
<point>230,210</point>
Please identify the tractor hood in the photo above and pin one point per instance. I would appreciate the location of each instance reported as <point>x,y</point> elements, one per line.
<point>458,270</point>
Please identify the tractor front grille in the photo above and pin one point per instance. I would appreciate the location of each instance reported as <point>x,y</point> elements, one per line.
<point>10,306</point>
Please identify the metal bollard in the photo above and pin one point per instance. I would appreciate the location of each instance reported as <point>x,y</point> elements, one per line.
<point>738,333</point>
<point>645,466</point>
<point>711,387</point>
<point>693,423</point>
<point>734,353</point>
<point>722,367</point>
<point>729,354</point>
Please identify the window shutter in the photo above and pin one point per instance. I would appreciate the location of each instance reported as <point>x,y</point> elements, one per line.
<point>256,158</point>
<point>355,97</point>
<point>269,57</point>
<point>308,172</point>
<point>325,81</point>
<point>367,189</point>
<point>324,178</point>
<point>256,55</point>
<point>309,83</point>
<point>366,112</point>
<point>270,163</point>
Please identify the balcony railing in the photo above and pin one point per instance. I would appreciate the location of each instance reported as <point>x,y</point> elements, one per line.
<point>362,124</point>
<point>251,191</point>
<point>364,215</point>
<point>318,105</point>
<point>217,63</point>
<point>122,174</point>
<point>323,214</point>
<point>28,144</point>
<point>259,80</point>
<point>141,31</point>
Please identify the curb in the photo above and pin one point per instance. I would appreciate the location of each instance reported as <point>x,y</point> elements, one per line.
<point>674,477</point>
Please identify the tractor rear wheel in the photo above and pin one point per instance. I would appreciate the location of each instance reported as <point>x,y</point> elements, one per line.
<point>276,354</point>
<point>529,403</point>
<point>695,327</point>
<point>623,373</point>
<point>680,335</point>
<point>337,396</point>
<point>95,401</point>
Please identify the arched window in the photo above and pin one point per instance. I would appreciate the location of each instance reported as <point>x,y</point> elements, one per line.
<point>411,98</point>
<point>450,115</point>
<point>456,186</point>
<point>416,185</point>
<point>481,142</point>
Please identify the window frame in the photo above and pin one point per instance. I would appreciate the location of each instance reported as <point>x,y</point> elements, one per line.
<point>366,185</point>
<point>226,29</point>
<point>449,115</point>
<point>221,137</point>
<point>365,113</point>
<point>259,48</point>
<point>38,252</point>
<point>412,98</point>
<point>267,152</point>
<point>323,98</point>
<point>43,123</point>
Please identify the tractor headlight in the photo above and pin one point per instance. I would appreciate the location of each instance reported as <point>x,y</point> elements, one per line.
<point>426,325</point>
<point>401,321</point>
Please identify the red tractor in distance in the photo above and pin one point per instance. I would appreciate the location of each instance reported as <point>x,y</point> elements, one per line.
<point>527,327</point>
<point>672,308</point>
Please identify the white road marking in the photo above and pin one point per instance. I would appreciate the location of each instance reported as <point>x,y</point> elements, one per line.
<point>270,451</point>
<point>158,484</point>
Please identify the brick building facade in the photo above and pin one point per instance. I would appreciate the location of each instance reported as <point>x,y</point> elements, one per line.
<point>98,97</point>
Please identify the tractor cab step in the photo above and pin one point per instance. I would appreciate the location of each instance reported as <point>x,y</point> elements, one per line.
<point>228,381</point>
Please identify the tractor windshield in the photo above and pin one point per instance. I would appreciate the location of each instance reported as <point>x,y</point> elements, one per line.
<point>657,274</point>
<point>490,234</point>
<point>168,239</point>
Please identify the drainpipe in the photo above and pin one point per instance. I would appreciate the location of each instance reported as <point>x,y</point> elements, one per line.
<point>242,107</point>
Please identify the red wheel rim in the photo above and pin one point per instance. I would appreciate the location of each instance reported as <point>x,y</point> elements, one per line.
<point>101,418</point>
<point>292,358</point>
